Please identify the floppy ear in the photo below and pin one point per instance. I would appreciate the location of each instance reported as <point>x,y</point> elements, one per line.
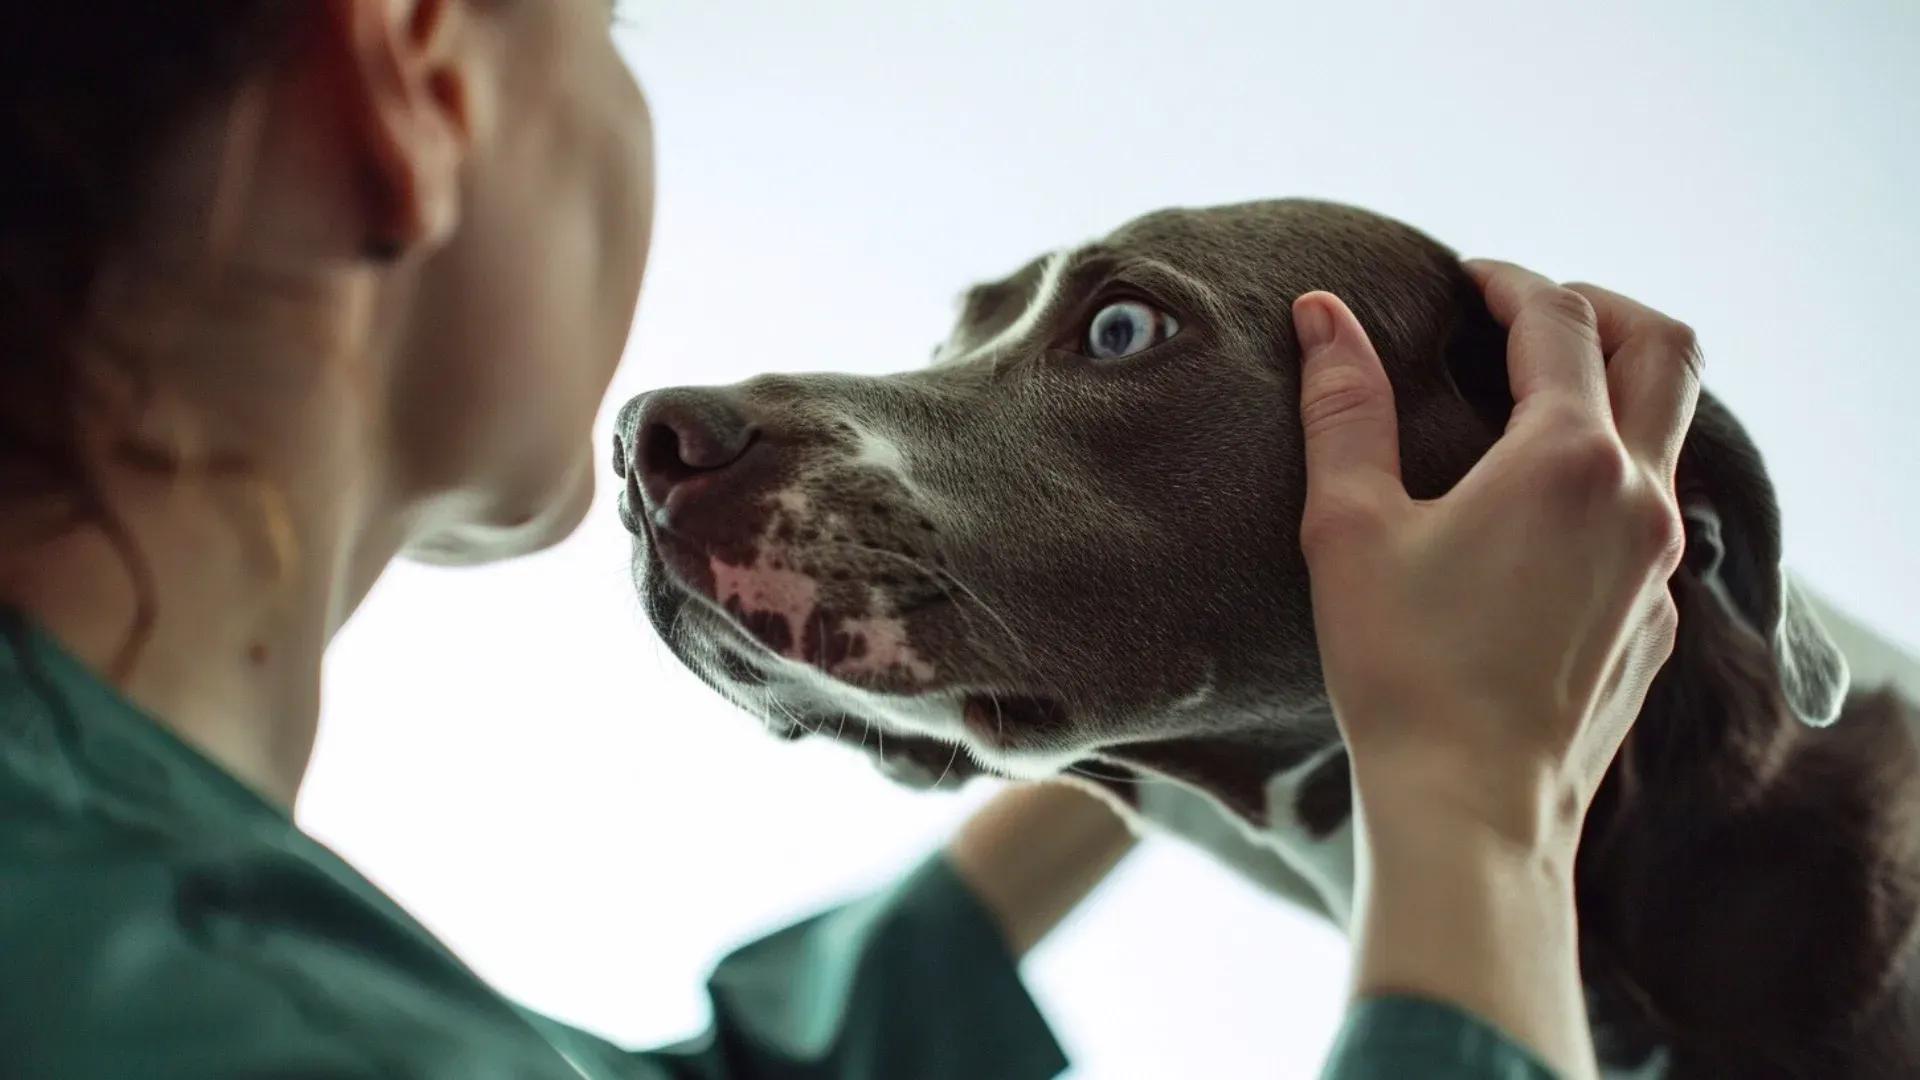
<point>1733,552</point>
<point>1733,594</point>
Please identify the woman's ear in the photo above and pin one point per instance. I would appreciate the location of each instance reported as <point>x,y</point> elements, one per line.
<point>408,89</point>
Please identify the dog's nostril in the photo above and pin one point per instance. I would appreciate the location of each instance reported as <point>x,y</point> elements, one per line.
<point>683,434</point>
<point>661,456</point>
<point>670,454</point>
<point>619,457</point>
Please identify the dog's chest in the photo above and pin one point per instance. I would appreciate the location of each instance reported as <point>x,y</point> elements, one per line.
<point>1284,856</point>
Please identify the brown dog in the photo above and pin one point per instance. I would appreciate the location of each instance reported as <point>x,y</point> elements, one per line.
<point>1069,546</point>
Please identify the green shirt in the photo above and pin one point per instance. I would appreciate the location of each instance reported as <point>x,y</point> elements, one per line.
<point>160,921</point>
<point>1403,1038</point>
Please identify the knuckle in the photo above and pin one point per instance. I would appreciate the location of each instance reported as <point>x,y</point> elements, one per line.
<point>1337,397</point>
<point>1335,520</point>
<point>1663,535</point>
<point>1679,340</point>
<point>1598,300</point>
<point>1593,464</point>
<point>1568,306</point>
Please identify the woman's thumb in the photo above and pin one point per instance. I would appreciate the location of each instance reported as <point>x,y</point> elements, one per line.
<point>1346,403</point>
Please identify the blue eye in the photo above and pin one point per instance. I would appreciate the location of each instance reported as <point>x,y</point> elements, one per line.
<point>1127,327</point>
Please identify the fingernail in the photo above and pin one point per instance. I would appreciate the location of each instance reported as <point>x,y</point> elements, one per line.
<point>1313,324</point>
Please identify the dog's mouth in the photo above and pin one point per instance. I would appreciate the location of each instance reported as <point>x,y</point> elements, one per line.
<point>852,676</point>
<point>1008,722</point>
<point>841,608</point>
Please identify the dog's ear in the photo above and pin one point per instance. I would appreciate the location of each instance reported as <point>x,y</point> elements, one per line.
<point>1733,593</point>
<point>992,306</point>
<point>1733,552</point>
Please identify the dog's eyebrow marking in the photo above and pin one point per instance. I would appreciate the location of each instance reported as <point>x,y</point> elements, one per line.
<point>1062,274</point>
<point>1038,302</point>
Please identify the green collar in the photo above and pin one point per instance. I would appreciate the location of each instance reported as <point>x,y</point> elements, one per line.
<point>65,730</point>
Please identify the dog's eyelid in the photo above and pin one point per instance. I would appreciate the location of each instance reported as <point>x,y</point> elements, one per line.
<point>1146,282</point>
<point>1124,290</point>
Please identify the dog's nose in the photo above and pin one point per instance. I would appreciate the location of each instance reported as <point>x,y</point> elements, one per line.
<point>669,437</point>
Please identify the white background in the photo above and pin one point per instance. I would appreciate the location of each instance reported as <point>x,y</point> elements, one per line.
<point>515,757</point>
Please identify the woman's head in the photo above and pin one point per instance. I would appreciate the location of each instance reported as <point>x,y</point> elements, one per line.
<point>376,252</point>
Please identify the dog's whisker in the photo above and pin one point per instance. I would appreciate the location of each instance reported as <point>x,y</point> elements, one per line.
<point>1136,779</point>
<point>952,756</point>
<point>947,582</point>
<point>774,704</point>
<point>1006,628</point>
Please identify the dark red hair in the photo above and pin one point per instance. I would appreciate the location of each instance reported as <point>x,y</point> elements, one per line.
<point>91,92</point>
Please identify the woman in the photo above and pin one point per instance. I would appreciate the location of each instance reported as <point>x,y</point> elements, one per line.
<point>289,290</point>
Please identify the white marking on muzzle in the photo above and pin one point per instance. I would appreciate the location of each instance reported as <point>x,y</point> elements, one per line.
<point>760,588</point>
<point>770,586</point>
<point>875,451</point>
<point>794,502</point>
<point>887,649</point>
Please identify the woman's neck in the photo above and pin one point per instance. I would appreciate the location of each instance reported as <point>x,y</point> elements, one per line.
<point>243,515</point>
<point>208,603</point>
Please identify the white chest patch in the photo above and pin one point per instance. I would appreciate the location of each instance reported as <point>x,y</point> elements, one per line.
<point>1284,857</point>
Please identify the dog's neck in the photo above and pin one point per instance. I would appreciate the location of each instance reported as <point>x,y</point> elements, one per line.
<point>1716,875</point>
<point>1273,800</point>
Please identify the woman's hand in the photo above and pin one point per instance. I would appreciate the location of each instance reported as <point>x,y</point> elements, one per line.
<point>1487,651</point>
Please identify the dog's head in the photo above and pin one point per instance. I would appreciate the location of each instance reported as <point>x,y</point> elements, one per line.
<point>1073,537</point>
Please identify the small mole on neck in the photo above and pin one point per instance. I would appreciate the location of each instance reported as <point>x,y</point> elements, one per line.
<point>257,654</point>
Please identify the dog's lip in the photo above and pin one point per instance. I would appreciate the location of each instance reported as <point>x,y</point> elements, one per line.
<point>929,594</point>
<point>661,532</point>
<point>670,549</point>
<point>681,558</point>
<point>677,500</point>
<point>819,650</point>
<point>988,717</point>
